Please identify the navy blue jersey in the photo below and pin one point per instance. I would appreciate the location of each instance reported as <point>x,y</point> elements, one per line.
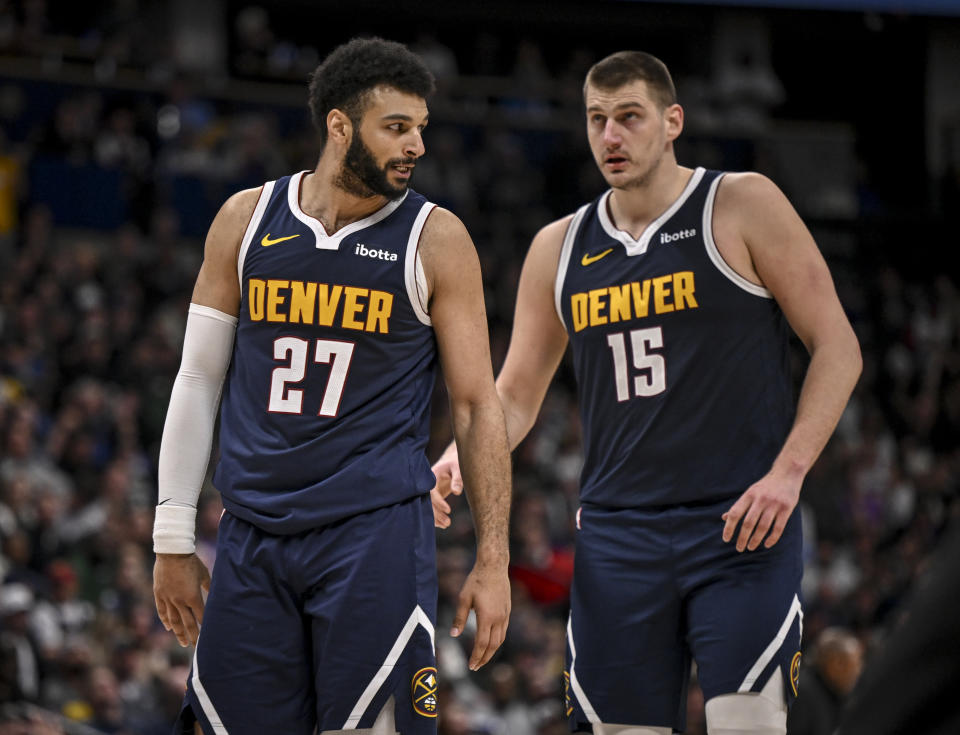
<point>681,364</point>
<point>326,406</point>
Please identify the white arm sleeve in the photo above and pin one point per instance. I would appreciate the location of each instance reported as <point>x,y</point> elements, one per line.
<point>188,429</point>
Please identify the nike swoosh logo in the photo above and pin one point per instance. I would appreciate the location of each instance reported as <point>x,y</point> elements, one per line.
<point>267,242</point>
<point>588,259</point>
<point>165,500</point>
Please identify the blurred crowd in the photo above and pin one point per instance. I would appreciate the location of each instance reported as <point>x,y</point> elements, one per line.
<point>91,319</point>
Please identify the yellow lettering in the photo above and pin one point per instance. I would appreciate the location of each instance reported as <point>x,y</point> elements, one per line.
<point>327,298</point>
<point>660,293</point>
<point>255,299</point>
<point>378,312</point>
<point>303,299</point>
<point>275,299</point>
<point>641,297</point>
<point>620,303</point>
<point>596,306</point>
<point>578,307</point>
<point>683,290</point>
<point>351,307</point>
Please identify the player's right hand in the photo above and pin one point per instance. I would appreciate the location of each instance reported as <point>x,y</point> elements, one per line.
<point>177,583</point>
<point>486,591</point>
<point>447,472</point>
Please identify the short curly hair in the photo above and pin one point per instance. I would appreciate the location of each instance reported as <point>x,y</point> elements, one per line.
<point>345,78</point>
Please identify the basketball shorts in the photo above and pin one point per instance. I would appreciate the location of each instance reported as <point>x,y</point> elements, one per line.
<point>653,588</point>
<point>319,629</point>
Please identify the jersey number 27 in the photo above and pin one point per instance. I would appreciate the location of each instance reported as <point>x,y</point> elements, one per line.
<point>284,399</point>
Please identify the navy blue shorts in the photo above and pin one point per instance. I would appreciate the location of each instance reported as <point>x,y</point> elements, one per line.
<point>651,589</point>
<point>319,629</point>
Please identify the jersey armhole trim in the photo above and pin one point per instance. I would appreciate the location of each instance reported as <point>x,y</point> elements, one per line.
<point>252,226</point>
<point>714,253</point>
<point>413,274</point>
<point>565,251</point>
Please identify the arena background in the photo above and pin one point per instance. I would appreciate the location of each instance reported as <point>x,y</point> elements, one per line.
<point>123,127</point>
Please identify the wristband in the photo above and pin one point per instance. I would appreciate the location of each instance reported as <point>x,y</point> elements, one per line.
<point>173,529</point>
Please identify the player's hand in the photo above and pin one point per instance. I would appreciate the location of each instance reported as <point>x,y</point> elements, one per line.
<point>177,581</point>
<point>765,509</point>
<point>447,472</point>
<point>487,591</point>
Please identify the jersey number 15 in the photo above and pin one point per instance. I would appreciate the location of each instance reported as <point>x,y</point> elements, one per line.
<point>654,378</point>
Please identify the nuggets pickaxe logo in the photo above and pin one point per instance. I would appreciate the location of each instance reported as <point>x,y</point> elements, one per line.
<point>424,692</point>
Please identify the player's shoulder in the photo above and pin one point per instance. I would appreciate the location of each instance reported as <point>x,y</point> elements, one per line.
<point>557,228</point>
<point>445,248</point>
<point>746,189</point>
<point>240,205</point>
<point>231,222</point>
<point>442,223</point>
<point>444,235</point>
<point>549,239</point>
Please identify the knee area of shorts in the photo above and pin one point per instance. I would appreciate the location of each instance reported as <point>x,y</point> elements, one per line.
<point>384,725</point>
<point>605,728</point>
<point>745,714</point>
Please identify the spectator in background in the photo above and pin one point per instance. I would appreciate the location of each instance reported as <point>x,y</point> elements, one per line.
<point>10,191</point>
<point>64,614</point>
<point>826,683</point>
<point>19,656</point>
<point>439,58</point>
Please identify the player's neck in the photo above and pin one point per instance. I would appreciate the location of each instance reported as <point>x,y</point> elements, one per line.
<point>633,209</point>
<point>334,206</point>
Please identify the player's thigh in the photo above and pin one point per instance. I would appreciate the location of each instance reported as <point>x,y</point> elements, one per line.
<point>251,669</point>
<point>372,621</point>
<point>744,614</point>
<point>626,657</point>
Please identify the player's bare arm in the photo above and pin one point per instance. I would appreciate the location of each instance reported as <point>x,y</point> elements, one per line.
<point>536,348</point>
<point>459,320</point>
<point>179,577</point>
<point>762,237</point>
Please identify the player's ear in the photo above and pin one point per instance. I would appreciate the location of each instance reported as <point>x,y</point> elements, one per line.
<point>339,127</point>
<point>673,119</point>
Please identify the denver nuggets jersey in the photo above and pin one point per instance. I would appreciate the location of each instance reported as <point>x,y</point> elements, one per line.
<point>326,405</point>
<point>681,363</point>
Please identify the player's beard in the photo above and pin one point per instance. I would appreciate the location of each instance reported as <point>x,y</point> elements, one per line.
<point>361,176</point>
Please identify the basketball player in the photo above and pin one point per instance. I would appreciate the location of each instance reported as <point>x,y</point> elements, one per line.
<point>323,303</point>
<point>674,289</point>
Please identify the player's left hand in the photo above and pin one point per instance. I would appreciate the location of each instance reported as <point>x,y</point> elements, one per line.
<point>765,509</point>
<point>177,583</point>
<point>487,591</point>
<point>449,481</point>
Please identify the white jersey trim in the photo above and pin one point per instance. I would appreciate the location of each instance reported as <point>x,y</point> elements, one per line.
<point>413,275</point>
<point>417,617</point>
<point>639,247</point>
<point>565,251</point>
<point>205,704</point>
<point>332,242</point>
<point>774,646</point>
<point>714,252</point>
<point>574,681</point>
<point>265,192</point>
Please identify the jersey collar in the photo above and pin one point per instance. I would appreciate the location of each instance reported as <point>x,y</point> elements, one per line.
<point>639,247</point>
<point>332,242</point>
